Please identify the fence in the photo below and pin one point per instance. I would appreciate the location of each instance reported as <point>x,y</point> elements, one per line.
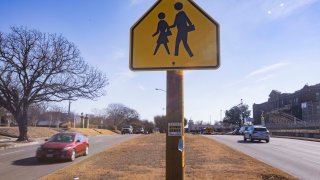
<point>283,124</point>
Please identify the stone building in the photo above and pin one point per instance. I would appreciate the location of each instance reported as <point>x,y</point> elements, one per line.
<point>302,105</point>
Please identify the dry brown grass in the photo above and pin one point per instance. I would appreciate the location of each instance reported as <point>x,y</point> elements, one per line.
<point>144,158</point>
<point>92,132</point>
<point>41,132</point>
<point>208,159</point>
<point>33,132</point>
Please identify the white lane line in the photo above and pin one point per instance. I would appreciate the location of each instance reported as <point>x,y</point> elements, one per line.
<point>11,152</point>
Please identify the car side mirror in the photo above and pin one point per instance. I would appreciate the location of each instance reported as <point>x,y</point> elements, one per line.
<point>45,139</point>
<point>78,141</point>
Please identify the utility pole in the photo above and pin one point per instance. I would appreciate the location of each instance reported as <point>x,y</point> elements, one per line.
<point>69,109</point>
<point>86,121</point>
<point>175,134</point>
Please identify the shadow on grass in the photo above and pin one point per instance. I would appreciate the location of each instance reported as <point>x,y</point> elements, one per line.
<point>32,161</point>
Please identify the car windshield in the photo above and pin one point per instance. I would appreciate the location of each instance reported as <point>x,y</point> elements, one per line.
<point>62,138</point>
<point>260,129</point>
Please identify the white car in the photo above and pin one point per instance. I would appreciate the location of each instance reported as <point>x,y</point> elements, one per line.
<point>127,129</point>
<point>257,133</point>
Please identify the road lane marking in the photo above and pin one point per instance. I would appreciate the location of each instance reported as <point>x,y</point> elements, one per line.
<point>11,152</point>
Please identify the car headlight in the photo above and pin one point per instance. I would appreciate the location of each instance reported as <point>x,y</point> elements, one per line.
<point>66,148</point>
<point>39,148</point>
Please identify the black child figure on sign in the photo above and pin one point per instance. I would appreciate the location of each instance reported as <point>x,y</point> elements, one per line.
<point>164,30</point>
<point>184,26</point>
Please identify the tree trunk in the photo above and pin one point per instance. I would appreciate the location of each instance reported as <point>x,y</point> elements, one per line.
<point>22,119</point>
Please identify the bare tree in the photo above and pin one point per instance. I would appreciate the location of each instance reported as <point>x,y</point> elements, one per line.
<point>161,123</point>
<point>119,114</point>
<point>148,126</point>
<point>37,67</point>
<point>3,114</point>
<point>35,111</point>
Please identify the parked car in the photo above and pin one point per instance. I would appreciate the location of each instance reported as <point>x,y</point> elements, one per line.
<point>139,131</point>
<point>64,146</point>
<point>236,131</point>
<point>243,129</point>
<point>127,129</point>
<point>257,133</point>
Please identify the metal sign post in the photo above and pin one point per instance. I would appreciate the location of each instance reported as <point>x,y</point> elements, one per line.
<point>175,134</point>
<point>172,36</point>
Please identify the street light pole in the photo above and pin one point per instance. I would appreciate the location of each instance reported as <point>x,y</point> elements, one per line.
<point>242,112</point>
<point>157,89</point>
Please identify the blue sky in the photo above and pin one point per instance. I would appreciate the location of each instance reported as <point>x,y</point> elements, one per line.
<point>265,45</point>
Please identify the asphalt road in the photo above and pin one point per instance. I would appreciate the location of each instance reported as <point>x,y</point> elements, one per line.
<point>20,163</point>
<point>296,157</point>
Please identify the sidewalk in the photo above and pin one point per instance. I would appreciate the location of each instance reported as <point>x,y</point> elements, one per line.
<point>8,142</point>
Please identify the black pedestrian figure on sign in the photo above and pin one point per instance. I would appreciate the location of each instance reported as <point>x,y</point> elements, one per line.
<point>164,30</point>
<point>184,25</point>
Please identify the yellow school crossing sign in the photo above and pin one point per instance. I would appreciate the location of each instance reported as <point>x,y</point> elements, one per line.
<point>175,34</point>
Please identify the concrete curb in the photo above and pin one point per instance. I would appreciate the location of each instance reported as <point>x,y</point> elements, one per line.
<point>298,138</point>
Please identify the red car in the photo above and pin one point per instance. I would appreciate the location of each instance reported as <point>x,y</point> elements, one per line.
<point>65,146</point>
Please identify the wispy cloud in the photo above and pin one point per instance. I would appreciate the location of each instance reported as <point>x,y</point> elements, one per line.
<point>126,74</point>
<point>119,55</point>
<point>141,87</point>
<point>279,9</point>
<point>265,78</point>
<point>135,2</point>
<point>267,69</point>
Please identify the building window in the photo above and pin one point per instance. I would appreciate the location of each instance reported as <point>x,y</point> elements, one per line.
<point>318,96</point>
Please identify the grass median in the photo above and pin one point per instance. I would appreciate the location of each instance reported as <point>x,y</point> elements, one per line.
<point>144,158</point>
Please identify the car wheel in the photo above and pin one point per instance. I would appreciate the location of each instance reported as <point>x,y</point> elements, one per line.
<point>40,159</point>
<point>251,139</point>
<point>267,140</point>
<point>86,152</point>
<point>244,138</point>
<point>73,155</point>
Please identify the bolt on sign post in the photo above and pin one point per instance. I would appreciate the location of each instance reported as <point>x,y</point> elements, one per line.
<point>175,35</point>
